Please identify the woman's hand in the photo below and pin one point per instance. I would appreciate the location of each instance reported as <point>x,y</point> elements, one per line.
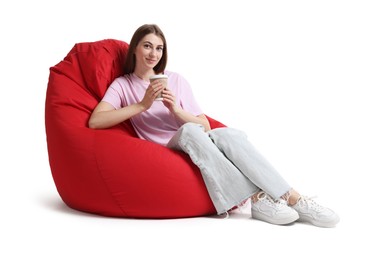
<point>169,100</point>
<point>151,93</point>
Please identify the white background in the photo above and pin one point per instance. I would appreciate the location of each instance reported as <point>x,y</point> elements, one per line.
<point>294,75</point>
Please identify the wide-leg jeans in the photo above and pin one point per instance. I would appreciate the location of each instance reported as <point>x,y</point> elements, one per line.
<point>232,169</point>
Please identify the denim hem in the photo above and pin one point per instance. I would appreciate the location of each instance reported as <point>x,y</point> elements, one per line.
<point>229,208</point>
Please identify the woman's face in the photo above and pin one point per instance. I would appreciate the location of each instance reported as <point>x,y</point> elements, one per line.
<point>149,52</point>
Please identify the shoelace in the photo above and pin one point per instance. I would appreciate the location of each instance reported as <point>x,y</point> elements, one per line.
<point>276,203</point>
<point>304,200</point>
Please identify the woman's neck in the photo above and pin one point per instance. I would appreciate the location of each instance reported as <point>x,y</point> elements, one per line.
<point>145,74</point>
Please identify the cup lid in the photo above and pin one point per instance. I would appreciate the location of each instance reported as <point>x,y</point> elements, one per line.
<point>159,76</point>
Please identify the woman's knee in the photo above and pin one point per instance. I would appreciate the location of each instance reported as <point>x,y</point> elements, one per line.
<point>185,133</point>
<point>227,133</point>
<point>191,129</point>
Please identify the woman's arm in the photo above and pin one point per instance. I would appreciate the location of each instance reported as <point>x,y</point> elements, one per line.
<point>186,117</point>
<point>105,115</point>
<point>181,115</point>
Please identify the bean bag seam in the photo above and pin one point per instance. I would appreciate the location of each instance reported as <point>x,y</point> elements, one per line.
<point>101,176</point>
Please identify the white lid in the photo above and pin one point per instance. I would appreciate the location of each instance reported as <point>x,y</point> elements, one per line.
<point>159,76</point>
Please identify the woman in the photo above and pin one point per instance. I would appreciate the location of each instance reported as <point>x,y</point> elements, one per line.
<point>231,167</point>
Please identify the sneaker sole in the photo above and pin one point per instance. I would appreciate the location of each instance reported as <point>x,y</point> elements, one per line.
<point>282,221</point>
<point>318,223</point>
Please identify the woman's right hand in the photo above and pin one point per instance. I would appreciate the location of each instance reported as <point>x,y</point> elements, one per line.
<point>151,93</point>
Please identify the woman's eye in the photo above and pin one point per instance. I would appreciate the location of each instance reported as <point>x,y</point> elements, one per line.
<point>160,49</point>
<point>147,46</point>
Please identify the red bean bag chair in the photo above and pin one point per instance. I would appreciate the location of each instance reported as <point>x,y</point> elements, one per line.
<point>112,172</point>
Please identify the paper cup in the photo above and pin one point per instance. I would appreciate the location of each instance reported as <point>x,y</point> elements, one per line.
<point>159,77</point>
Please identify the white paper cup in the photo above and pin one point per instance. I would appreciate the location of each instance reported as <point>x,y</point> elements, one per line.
<point>159,77</point>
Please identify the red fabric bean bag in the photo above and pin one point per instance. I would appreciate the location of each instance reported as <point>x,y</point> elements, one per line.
<point>112,172</point>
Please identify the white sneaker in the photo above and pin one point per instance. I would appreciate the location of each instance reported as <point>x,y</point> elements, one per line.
<point>271,211</point>
<point>310,211</point>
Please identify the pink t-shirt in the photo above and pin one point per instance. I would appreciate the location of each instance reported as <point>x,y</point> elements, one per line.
<point>156,124</point>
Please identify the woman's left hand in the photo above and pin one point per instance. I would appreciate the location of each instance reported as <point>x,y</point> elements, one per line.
<point>169,100</point>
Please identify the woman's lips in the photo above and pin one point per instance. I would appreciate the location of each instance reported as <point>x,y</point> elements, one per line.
<point>151,61</point>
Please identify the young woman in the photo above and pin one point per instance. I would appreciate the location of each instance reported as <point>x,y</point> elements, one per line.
<point>233,170</point>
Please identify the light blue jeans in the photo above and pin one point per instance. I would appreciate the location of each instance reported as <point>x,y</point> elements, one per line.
<point>232,169</point>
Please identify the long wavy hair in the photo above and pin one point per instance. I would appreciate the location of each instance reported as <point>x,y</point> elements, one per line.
<point>139,34</point>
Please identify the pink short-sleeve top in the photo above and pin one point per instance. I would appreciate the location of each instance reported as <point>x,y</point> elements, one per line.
<point>156,124</point>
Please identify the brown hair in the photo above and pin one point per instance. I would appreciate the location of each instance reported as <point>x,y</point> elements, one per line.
<point>136,38</point>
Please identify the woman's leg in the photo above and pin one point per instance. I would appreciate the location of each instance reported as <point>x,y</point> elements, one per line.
<point>226,185</point>
<point>236,147</point>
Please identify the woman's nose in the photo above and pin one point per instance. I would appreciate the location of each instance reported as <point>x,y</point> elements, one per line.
<point>152,53</point>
